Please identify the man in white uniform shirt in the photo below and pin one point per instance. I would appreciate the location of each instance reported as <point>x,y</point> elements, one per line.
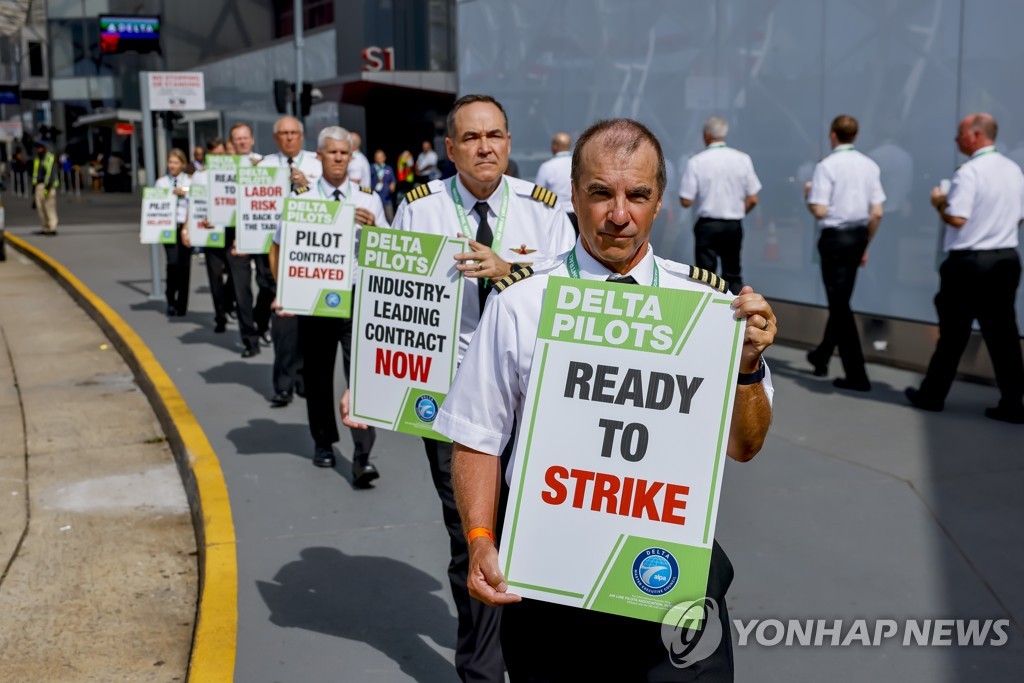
<point>618,183</point>
<point>555,174</point>
<point>359,167</point>
<point>305,170</point>
<point>845,195</point>
<point>981,273</point>
<point>721,183</point>
<point>319,337</point>
<point>426,164</point>
<point>510,222</point>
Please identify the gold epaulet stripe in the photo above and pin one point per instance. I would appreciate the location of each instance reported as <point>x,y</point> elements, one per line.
<point>366,189</point>
<point>544,195</point>
<point>708,278</point>
<point>301,189</point>
<point>417,193</point>
<point>512,278</point>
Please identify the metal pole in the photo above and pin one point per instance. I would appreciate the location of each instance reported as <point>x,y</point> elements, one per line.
<point>150,162</point>
<point>133,140</point>
<point>298,59</point>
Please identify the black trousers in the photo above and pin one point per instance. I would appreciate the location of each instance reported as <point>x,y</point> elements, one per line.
<point>253,320</point>
<point>220,282</point>
<point>318,343</point>
<point>179,269</point>
<point>982,286</point>
<point>478,646</point>
<point>841,251</point>
<point>536,637</point>
<point>284,331</point>
<point>719,240</point>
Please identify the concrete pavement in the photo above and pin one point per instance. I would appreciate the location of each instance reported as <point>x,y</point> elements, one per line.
<point>98,551</point>
<point>858,507</point>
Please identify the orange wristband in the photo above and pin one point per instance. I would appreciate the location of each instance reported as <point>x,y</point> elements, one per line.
<point>477,533</point>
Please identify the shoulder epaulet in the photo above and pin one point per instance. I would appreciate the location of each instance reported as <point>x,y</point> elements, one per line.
<point>418,193</point>
<point>544,195</point>
<point>708,278</point>
<point>515,276</point>
<point>301,189</point>
<point>366,189</point>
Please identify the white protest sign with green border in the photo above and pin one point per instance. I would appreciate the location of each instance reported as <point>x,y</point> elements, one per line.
<point>159,209</point>
<point>405,329</point>
<point>315,269</point>
<point>221,178</point>
<point>261,194</point>
<point>198,212</point>
<point>619,460</point>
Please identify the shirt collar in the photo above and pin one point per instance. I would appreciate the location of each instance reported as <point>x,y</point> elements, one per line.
<point>469,200</point>
<point>328,190</point>
<point>564,154</point>
<point>717,145</point>
<point>843,148</point>
<point>984,150</point>
<point>591,269</point>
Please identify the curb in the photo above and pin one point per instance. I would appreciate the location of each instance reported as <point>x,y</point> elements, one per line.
<point>214,640</point>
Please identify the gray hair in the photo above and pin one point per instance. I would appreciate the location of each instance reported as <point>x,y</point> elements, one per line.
<point>333,133</point>
<point>302,129</point>
<point>716,127</point>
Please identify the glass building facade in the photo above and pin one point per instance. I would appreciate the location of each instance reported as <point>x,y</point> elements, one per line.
<point>779,70</point>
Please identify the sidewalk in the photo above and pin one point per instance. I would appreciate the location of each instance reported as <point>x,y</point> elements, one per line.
<point>95,532</point>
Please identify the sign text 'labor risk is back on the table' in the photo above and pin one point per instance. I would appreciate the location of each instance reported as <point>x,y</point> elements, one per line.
<point>646,377</point>
<point>405,328</point>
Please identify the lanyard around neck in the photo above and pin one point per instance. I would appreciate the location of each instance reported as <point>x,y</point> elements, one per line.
<point>574,268</point>
<point>499,229</point>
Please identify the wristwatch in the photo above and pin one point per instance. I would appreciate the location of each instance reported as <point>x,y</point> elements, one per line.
<point>745,378</point>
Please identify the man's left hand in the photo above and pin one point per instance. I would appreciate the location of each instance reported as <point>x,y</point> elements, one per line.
<point>938,197</point>
<point>761,327</point>
<point>346,415</point>
<point>364,217</point>
<point>487,263</point>
<point>298,178</point>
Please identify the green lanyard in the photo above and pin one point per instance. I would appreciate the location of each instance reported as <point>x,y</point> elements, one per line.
<point>499,229</point>
<point>987,151</point>
<point>716,145</point>
<point>574,269</point>
<point>843,148</point>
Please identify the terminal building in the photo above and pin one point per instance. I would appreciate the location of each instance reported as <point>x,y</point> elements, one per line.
<point>779,71</point>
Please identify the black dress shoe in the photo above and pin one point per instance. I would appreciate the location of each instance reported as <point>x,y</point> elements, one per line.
<point>280,399</point>
<point>919,401</point>
<point>820,369</point>
<point>233,314</point>
<point>1010,415</point>
<point>172,312</point>
<point>323,457</point>
<point>266,338</point>
<point>219,328</point>
<point>844,383</point>
<point>363,473</point>
<point>250,351</point>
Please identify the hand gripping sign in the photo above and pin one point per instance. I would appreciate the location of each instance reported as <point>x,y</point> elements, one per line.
<point>261,194</point>
<point>406,329</point>
<point>646,376</point>
<point>200,233</point>
<point>159,208</point>
<point>316,267</point>
<point>222,175</point>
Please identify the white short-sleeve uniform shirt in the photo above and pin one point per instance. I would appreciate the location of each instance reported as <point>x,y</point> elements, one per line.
<point>169,182</point>
<point>848,183</point>
<point>362,197</point>
<point>555,174</point>
<point>489,392</point>
<point>718,180</point>
<point>534,230</point>
<point>988,190</point>
<point>306,162</point>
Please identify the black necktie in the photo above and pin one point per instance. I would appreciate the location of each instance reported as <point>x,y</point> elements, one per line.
<point>291,162</point>
<point>337,195</point>
<point>485,237</point>
<point>174,180</point>
<point>622,279</point>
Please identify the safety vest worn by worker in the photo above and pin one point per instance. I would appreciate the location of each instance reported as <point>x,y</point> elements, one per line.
<point>404,167</point>
<point>48,162</point>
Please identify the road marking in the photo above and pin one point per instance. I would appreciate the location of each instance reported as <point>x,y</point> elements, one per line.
<point>216,634</point>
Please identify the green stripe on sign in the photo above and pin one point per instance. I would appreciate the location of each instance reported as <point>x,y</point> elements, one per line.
<point>730,389</point>
<point>604,571</point>
<point>554,591</point>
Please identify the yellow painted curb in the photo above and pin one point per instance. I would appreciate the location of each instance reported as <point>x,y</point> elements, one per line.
<point>215,637</point>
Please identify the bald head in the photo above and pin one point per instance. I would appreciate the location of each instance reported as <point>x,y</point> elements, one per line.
<point>560,143</point>
<point>976,131</point>
<point>621,139</point>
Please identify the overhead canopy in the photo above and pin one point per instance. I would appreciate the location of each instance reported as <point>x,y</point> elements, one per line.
<point>107,119</point>
<point>354,88</point>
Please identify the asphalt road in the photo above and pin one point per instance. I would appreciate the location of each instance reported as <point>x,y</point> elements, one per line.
<point>859,507</point>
